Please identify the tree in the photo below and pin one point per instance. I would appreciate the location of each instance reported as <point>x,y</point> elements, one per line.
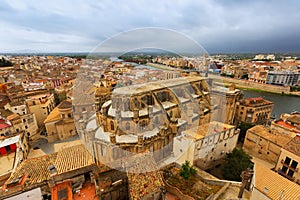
<point>243,126</point>
<point>187,170</point>
<point>236,162</point>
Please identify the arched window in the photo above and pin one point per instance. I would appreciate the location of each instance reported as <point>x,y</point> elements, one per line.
<point>112,126</point>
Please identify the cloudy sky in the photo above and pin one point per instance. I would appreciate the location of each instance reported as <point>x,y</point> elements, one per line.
<point>220,26</point>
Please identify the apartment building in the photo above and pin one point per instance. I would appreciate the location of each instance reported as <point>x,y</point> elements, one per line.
<point>285,78</point>
<point>260,141</point>
<point>41,105</point>
<point>289,159</point>
<point>254,111</point>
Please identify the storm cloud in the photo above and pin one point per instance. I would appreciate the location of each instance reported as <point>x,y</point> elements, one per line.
<point>218,25</point>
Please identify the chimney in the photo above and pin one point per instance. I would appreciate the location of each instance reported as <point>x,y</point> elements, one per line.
<point>52,170</point>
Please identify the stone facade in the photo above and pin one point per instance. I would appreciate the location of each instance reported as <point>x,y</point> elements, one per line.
<point>14,124</point>
<point>289,159</point>
<point>60,123</point>
<point>211,142</point>
<point>41,106</point>
<point>265,143</point>
<point>226,100</point>
<point>143,118</point>
<point>254,111</point>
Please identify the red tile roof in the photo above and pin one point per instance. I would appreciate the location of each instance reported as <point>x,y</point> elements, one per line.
<point>255,99</point>
<point>147,180</point>
<point>282,123</point>
<point>4,124</point>
<point>67,159</point>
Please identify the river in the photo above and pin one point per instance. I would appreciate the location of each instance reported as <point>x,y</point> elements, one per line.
<point>282,103</point>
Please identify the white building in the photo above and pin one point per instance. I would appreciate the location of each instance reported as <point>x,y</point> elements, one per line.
<point>17,108</point>
<point>264,57</point>
<point>210,144</point>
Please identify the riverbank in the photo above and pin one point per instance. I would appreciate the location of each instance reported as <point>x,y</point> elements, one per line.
<point>241,84</point>
<point>227,84</point>
<point>160,66</point>
<point>259,87</point>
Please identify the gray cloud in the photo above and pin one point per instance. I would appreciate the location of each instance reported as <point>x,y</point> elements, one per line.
<point>219,25</point>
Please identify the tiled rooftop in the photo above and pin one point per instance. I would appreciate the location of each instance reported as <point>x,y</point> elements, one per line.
<point>68,159</point>
<point>88,191</point>
<point>146,182</point>
<point>73,158</point>
<point>207,129</point>
<point>273,184</point>
<point>286,125</point>
<point>65,104</point>
<point>279,138</point>
<point>294,119</point>
<point>3,124</point>
<point>53,116</point>
<point>258,101</point>
<point>36,168</point>
<point>294,145</point>
<point>40,96</point>
<point>5,113</point>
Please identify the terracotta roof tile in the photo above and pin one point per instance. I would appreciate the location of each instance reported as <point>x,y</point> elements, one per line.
<point>53,116</point>
<point>274,184</point>
<point>146,182</point>
<point>65,104</point>
<point>36,168</point>
<point>70,158</point>
<point>279,138</point>
<point>5,113</point>
<point>73,158</point>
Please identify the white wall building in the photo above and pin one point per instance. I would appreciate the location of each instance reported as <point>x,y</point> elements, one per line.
<point>211,142</point>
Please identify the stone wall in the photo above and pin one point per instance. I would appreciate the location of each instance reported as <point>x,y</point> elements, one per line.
<point>177,192</point>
